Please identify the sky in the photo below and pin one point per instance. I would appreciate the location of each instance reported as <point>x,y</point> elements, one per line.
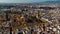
<point>23,1</point>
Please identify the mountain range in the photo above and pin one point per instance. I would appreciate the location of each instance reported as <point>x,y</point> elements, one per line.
<point>45,2</point>
<point>48,2</point>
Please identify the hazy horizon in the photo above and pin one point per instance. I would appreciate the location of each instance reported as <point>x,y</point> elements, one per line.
<point>23,1</point>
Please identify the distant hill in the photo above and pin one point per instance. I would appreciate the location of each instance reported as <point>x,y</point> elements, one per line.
<point>45,2</point>
<point>48,2</point>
